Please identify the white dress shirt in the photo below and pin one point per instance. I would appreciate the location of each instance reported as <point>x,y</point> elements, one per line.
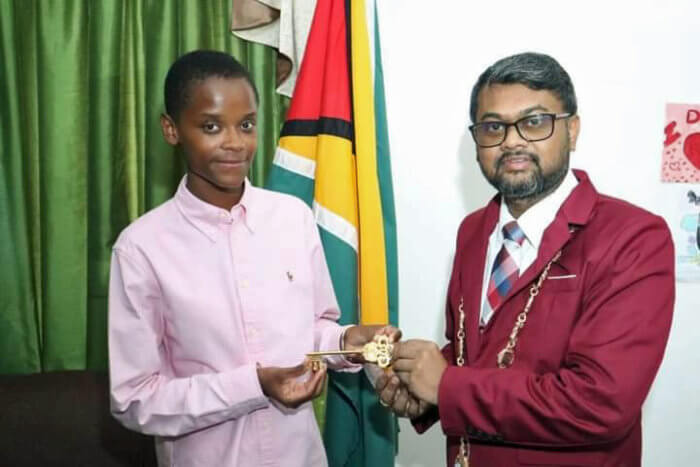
<point>533,223</point>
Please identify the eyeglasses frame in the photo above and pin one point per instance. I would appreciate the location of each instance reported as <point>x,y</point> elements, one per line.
<point>554,117</point>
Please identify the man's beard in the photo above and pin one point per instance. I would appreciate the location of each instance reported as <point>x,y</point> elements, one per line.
<point>535,184</point>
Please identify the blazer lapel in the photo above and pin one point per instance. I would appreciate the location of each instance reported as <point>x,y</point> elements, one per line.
<point>573,214</point>
<point>553,240</point>
<point>473,276</point>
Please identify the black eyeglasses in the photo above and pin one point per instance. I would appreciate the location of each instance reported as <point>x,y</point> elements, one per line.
<point>535,127</point>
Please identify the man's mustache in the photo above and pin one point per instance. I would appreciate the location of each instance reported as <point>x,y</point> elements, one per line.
<point>506,155</point>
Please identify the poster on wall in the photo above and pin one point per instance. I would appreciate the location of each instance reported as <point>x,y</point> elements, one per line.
<point>681,153</point>
<point>681,165</point>
<point>685,229</point>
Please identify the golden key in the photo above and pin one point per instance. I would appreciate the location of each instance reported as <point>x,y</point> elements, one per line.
<point>378,351</point>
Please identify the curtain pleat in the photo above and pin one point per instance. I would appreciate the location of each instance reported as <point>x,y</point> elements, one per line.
<point>81,92</point>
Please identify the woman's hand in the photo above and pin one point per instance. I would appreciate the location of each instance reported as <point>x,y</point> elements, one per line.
<point>357,336</point>
<point>284,386</point>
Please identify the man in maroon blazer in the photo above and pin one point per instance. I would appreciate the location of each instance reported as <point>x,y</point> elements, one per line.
<point>560,300</point>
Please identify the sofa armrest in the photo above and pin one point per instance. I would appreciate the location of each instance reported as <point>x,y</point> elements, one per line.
<point>63,418</point>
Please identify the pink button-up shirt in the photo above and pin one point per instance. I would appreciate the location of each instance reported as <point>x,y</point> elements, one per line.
<point>199,295</point>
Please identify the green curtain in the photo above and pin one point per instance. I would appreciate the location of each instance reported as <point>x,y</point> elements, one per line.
<point>82,155</point>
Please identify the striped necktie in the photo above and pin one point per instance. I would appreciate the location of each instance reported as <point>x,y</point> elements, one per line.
<point>505,270</point>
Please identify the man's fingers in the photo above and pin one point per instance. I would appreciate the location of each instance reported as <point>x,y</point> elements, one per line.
<point>405,350</point>
<point>403,365</point>
<point>404,377</point>
<point>412,348</point>
<point>414,410</point>
<point>381,382</point>
<point>389,392</point>
<point>400,400</point>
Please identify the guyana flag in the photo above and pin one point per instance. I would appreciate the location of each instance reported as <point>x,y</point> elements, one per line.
<point>333,153</point>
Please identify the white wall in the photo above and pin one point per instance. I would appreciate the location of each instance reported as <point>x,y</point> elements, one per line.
<point>627,59</point>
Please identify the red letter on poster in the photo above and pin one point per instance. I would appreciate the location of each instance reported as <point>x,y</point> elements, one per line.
<point>671,134</point>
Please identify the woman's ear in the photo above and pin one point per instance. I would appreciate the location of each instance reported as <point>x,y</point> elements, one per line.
<point>169,129</point>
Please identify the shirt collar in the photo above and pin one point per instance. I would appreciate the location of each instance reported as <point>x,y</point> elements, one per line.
<point>537,218</point>
<point>210,219</point>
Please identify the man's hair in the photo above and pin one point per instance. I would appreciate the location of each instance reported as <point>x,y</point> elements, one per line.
<point>195,67</point>
<point>536,71</point>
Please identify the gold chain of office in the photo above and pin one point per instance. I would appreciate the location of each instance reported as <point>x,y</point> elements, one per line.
<point>505,357</point>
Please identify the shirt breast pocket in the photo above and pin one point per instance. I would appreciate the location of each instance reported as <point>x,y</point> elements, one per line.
<point>561,282</point>
<point>554,312</point>
<point>561,278</point>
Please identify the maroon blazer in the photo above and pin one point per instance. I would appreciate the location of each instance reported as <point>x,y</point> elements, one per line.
<point>589,351</point>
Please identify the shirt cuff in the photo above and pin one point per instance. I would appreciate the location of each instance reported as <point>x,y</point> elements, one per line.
<point>331,340</point>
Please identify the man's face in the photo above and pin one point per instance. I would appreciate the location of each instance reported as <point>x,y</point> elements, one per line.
<point>218,134</point>
<point>517,168</point>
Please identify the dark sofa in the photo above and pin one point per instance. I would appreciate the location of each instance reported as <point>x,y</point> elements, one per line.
<point>62,419</point>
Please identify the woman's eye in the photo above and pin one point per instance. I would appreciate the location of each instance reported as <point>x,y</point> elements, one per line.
<point>210,127</point>
<point>248,125</point>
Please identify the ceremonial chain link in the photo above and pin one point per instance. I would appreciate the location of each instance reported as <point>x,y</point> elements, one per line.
<point>464,446</point>
<point>505,357</point>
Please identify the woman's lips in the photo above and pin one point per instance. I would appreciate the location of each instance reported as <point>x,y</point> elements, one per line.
<point>231,163</point>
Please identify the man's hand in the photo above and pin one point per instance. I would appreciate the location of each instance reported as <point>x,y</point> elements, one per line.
<point>393,394</point>
<point>283,385</point>
<point>419,365</point>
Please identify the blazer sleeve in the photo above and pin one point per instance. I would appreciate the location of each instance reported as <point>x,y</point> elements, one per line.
<point>615,349</point>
